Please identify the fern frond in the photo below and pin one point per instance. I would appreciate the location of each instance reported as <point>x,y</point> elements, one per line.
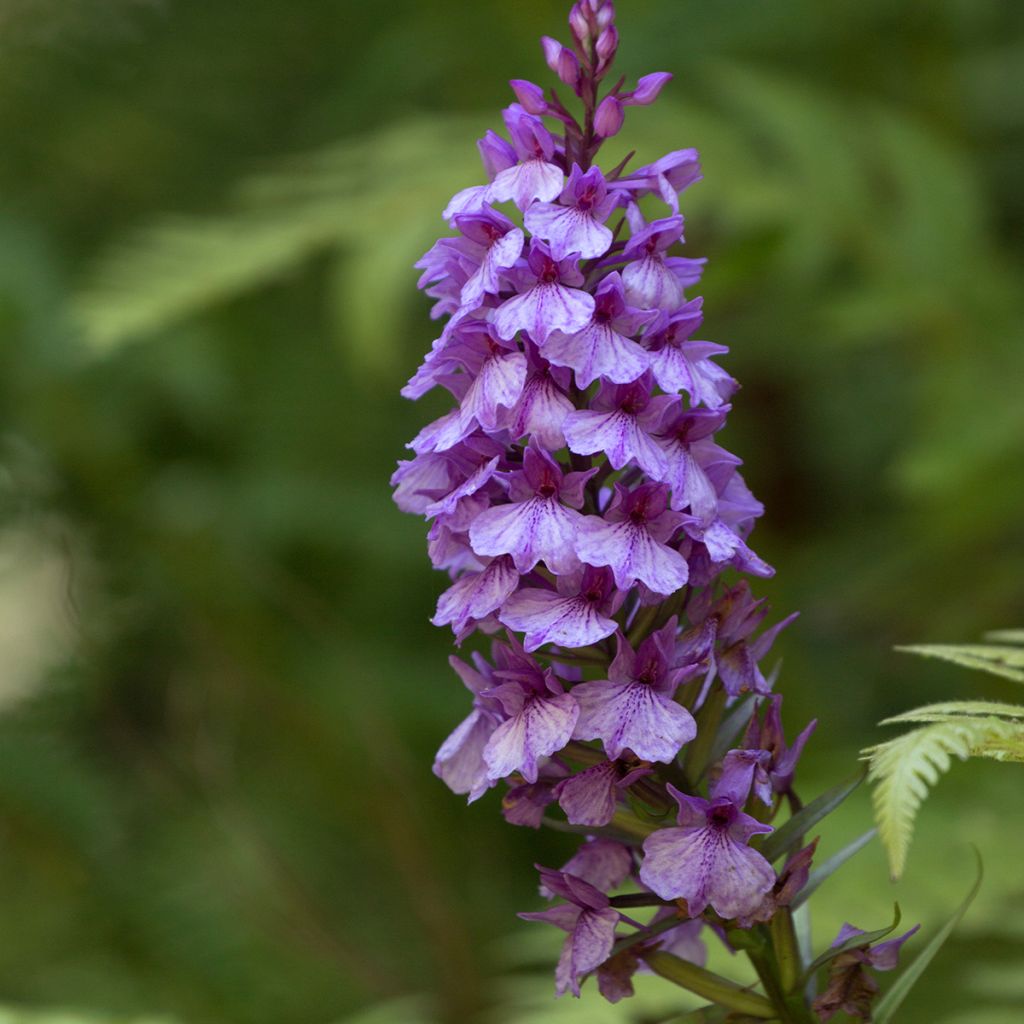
<point>904,769</point>
<point>1005,661</point>
<point>953,710</point>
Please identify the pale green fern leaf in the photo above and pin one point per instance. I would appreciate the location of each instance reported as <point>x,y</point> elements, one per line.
<point>1006,661</point>
<point>953,710</point>
<point>904,769</point>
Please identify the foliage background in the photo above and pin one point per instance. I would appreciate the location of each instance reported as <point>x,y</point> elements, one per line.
<point>221,692</point>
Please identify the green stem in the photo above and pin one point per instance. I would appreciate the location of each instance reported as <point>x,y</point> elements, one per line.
<point>711,986</point>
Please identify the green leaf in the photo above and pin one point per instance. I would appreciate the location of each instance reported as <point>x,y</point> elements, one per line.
<point>831,866</point>
<point>787,837</point>
<point>905,768</point>
<point>1007,661</point>
<point>893,999</point>
<point>854,942</point>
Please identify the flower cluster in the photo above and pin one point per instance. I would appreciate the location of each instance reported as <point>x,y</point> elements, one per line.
<point>592,525</point>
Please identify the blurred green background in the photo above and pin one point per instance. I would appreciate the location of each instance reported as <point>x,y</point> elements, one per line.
<point>220,690</point>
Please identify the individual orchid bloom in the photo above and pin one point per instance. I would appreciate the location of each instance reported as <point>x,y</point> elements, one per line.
<point>587,917</point>
<point>497,155</point>
<point>553,302</point>
<point>494,243</point>
<point>851,990</point>
<point>632,538</point>
<point>460,761</point>
<point>666,177</point>
<point>591,796</point>
<point>544,403</point>
<point>650,281</point>
<point>622,424</point>
<point>539,721</point>
<point>602,863</point>
<point>541,522</point>
<point>679,364</point>
<point>476,595</point>
<point>575,614</point>
<point>788,885</point>
<point>604,347</point>
<point>744,771</point>
<point>739,615</point>
<point>530,97</point>
<point>576,223</point>
<point>633,709</point>
<point>534,176</point>
<point>417,480</point>
<point>707,860</point>
<point>524,805</point>
<point>768,735</point>
<point>684,437</point>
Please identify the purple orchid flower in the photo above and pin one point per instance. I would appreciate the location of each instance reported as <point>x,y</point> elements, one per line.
<point>494,243</point>
<point>591,796</point>
<point>535,176</point>
<point>544,403</point>
<point>706,860</point>
<point>633,709</point>
<point>460,761</point>
<point>602,863</point>
<point>574,615</point>
<point>497,156</point>
<point>589,920</point>
<point>604,347</point>
<point>540,718</point>
<point>631,538</point>
<point>650,281</point>
<point>621,424</point>
<point>684,437</point>
<point>576,223</point>
<point>541,522</point>
<point>554,302</point>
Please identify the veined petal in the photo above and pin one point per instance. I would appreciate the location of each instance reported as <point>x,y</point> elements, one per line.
<point>632,553</point>
<point>597,351</point>
<point>530,180</point>
<point>588,945</point>
<point>499,382</point>
<point>706,866</point>
<point>618,435</point>
<point>543,726</point>
<point>635,716</point>
<point>487,279</point>
<point>547,617</point>
<point>539,529</point>
<point>460,761</point>
<point>568,229</point>
<point>476,595</point>
<point>589,798</point>
<point>543,309</point>
<point>541,411</point>
<point>651,285</point>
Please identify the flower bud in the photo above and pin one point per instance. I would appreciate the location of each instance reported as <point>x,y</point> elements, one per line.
<point>530,96</point>
<point>605,15</point>
<point>608,117</point>
<point>607,44</point>
<point>647,89</point>
<point>562,61</point>
<point>580,24</point>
